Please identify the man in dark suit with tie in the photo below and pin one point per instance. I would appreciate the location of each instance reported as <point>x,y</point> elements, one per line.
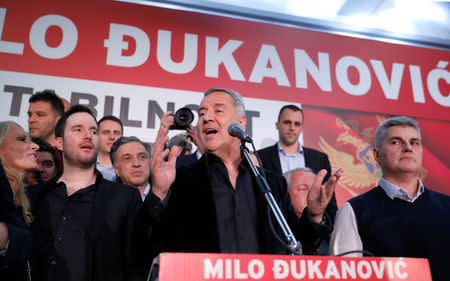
<point>288,154</point>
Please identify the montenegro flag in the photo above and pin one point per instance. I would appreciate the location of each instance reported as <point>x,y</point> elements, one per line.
<point>347,137</point>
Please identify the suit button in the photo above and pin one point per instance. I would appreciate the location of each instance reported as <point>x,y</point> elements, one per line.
<point>63,218</point>
<point>53,262</point>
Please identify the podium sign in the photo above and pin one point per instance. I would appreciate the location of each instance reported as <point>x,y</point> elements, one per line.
<point>198,267</point>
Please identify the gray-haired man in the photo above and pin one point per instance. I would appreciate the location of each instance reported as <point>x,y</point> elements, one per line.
<point>130,158</point>
<point>399,217</point>
<point>215,204</point>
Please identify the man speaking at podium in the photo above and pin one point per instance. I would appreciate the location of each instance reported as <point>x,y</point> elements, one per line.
<point>215,205</point>
<point>399,217</point>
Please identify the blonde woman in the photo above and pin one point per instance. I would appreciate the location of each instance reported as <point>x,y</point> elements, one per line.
<point>17,155</point>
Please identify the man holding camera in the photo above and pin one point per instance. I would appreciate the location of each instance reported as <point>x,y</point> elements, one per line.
<point>215,204</point>
<point>182,120</point>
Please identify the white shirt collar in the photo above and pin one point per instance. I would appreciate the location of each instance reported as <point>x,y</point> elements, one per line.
<point>146,191</point>
<point>280,149</point>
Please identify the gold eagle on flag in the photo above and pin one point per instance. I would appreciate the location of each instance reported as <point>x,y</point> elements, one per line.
<point>361,169</point>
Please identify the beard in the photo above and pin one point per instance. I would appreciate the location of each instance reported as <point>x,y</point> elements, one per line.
<point>82,161</point>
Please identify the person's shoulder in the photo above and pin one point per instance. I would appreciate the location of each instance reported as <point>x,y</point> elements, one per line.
<point>192,168</point>
<point>435,195</point>
<point>268,148</point>
<point>116,187</point>
<point>36,191</point>
<point>275,180</point>
<point>368,195</point>
<point>314,151</point>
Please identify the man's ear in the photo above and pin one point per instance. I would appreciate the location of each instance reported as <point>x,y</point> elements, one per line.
<point>243,122</point>
<point>376,154</point>
<point>59,143</point>
<point>276,125</point>
<point>116,170</point>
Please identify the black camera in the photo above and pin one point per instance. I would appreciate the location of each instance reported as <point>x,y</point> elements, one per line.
<point>182,118</point>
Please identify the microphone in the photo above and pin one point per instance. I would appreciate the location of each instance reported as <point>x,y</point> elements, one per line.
<point>235,130</point>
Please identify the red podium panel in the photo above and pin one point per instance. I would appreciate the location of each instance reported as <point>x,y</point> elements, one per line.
<point>198,267</point>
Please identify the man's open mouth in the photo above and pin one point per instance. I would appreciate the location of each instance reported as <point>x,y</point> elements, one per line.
<point>210,132</point>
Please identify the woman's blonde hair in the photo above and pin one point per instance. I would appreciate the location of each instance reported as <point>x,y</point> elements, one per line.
<point>15,177</point>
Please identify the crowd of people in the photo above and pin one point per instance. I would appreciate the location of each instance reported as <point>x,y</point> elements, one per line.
<point>81,201</point>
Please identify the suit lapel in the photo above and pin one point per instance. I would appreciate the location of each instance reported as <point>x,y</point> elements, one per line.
<point>310,160</point>
<point>275,159</point>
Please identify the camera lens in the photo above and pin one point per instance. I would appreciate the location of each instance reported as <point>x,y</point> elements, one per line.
<point>182,118</point>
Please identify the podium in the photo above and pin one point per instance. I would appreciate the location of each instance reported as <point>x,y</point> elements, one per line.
<point>203,266</point>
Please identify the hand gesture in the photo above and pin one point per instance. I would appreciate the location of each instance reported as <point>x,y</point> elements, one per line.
<point>320,195</point>
<point>163,173</point>
<point>195,138</point>
<point>167,120</point>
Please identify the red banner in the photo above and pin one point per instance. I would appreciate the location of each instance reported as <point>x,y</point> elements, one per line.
<point>197,267</point>
<point>136,44</point>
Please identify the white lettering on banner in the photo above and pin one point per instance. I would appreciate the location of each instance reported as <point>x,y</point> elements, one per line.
<point>349,269</point>
<point>416,84</point>
<point>346,269</point>
<point>301,273</point>
<point>268,54</point>
<point>364,273</point>
<point>256,269</point>
<point>433,87</point>
<point>390,271</point>
<point>232,268</point>
<point>320,74</point>
<point>6,46</point>
<point>378,269</point>
<point>163,53</point>
<point>224,56</point>
<point>211,271</point>
<point>365,79</point>
<point>280,269</point>
<point>332,270</point>
<point>401,275</point>
<point>313,269</point>
<point>392,88</point>
<point>228,269</point>
<point>214,57</point>
<point>237,270</point>
<point>116,44</point>
<point>68,42</point>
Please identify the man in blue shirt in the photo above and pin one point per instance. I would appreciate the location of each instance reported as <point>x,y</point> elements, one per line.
<point>288,153</point>
<point>110,128</point>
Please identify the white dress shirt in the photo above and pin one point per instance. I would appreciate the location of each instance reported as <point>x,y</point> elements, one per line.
<point>345,236</point>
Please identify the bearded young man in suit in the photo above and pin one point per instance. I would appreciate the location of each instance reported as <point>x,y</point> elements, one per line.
<point>288,154</point>
<point>85,227</point>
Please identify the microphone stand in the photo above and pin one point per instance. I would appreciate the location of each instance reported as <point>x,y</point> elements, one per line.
<point>293,245</point>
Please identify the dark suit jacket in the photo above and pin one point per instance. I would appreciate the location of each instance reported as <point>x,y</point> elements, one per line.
<point>113,232</point>
<point>186,160</point>
<point>12,265</point>
<point>189,222</point>
<point>314,159</point>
